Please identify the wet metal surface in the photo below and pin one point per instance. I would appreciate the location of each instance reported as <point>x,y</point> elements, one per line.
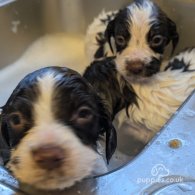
<point>159,169</point>
<point>22,21</point>
<point>5,2</point>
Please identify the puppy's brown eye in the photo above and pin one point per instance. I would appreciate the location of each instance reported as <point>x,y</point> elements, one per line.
<point>16,120</point>
<point>157,40</point>
<point>83,115</point>
<point>120,40</point>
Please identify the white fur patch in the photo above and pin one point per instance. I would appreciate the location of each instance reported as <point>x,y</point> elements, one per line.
<point>43,107</point>
<point>80,160</point>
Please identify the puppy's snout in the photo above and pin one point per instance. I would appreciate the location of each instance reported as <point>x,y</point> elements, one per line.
<point>134,67</point>
<point>48,157</point>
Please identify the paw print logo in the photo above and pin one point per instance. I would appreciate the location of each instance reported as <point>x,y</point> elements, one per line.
<point>159,171</point>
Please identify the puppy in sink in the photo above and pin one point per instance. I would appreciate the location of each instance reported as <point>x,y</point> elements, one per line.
<point>51,124</point>
<point>152,100</point>
<point>137,37</point>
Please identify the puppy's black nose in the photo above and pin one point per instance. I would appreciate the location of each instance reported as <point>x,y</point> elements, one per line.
<point>48,157</point>
<point>135,67</point>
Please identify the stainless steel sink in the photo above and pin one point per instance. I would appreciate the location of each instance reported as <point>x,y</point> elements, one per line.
<point>22,22</point>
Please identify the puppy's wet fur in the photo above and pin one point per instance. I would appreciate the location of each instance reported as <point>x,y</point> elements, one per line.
<point>51,124</point>
<point>136,35</point>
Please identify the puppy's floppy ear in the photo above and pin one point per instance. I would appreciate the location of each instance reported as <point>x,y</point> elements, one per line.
<point>174,36</point>
<point>111,141</point>
<point>109,34</point>
<point>4,132</point>
<point>108,128</point>
<point>4,141</point>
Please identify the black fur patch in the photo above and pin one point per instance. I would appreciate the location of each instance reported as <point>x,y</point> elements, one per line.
<point>100,39</point>
<point>153,67</point>
<point>165,27</point>
<point>177,65</point>
<point>119,27</point>
<point>104,78</point>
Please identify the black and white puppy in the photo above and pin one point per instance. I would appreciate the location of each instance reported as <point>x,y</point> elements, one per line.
<point>51,124</point>
<point>149,105</point>
<point>159,97</point>
<point>136,35</point>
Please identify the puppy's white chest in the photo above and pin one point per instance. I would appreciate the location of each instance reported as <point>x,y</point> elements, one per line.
<point>157,101</point>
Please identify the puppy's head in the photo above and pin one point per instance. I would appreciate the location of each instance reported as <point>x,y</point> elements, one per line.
<point>138,36</point>
<point>51,123</point>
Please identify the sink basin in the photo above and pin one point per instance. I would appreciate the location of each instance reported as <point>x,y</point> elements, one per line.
<point>33,26</point>
<point>24,21</point>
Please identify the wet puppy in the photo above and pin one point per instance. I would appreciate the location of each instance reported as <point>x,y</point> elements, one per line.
<point>136,35</point>
<point>149,105</point>
<point>159,97</point>
<point>51,124</point>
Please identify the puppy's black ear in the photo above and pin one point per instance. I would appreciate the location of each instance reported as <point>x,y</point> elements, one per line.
<point>111,136</point>
<point>4,141</point>
<point>174,36</point>
<point>109,33</point>
<point>108,128</point>
<point>4,133</point>
<point>111,141</point>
